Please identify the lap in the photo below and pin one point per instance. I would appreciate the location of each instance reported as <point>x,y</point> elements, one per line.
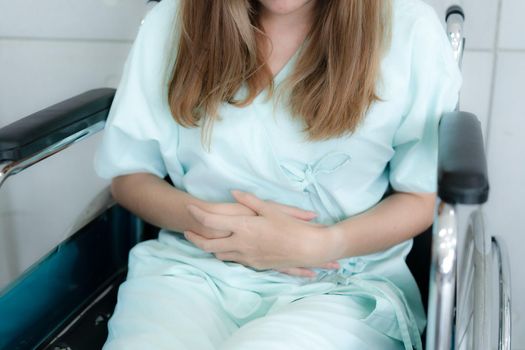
<point>316,322</point>
<point>174,301</point>
<point>167,312</point>
<point>164,312</point>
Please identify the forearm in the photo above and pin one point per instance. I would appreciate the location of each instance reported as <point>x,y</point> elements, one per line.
<point>397,218</point>
<point>156,201</point>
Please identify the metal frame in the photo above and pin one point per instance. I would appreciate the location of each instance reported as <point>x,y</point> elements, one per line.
<point>442,278</point>
<point>504,326</point>
<point>11,168</point>
<point>475,290</point>
<point>444,239</point>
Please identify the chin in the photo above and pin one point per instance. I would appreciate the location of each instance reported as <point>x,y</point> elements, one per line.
<point>283,7</point>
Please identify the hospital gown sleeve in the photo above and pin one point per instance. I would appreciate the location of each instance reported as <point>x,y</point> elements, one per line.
<point>435,81</point>
<point>139,124</point>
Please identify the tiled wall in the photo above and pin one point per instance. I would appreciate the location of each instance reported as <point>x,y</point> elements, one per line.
<point>52,50</point>
<point>506,150</point>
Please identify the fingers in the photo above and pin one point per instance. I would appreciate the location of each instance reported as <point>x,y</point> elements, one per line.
<point>218,245</point>
<point>222,209</point>
<point>305,272</point>
<point>251,201</point>
<point>215,221</point>
<point>261,207</point>
<point>213,234</point>
<point>330,265</point>
<point>297,271</point>
<point>239,209</point>
<point>229,256</point>
<point>294,211</point>
<point>210,233</point>
<point>231,209</point>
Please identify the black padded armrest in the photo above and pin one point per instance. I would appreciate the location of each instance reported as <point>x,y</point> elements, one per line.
<point>44,128</point>
<point>462,166</point>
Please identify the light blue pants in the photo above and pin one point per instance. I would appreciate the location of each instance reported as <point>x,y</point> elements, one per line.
<point>201,303</point>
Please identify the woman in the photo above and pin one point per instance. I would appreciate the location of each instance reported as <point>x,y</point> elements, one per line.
<point>283,125</point>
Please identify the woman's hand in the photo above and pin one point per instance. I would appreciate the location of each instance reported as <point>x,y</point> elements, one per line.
<point>272,239</point>
<point>241,209</point>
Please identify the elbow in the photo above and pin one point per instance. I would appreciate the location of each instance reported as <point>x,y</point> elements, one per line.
<point>113,190</point>
<point>123,186</point>
<point>423,204</point>
<point>116,188</point>
<point>427,203</point>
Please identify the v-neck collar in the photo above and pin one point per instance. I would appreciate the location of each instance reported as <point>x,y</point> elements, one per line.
<point>282,73</point>
<point>288,63</point>
<point>277,78</point>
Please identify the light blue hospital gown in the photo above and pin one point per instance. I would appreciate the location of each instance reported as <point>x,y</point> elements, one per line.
<point>179,297</point>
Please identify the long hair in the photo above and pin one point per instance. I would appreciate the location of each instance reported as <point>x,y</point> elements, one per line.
<point>333,82</point>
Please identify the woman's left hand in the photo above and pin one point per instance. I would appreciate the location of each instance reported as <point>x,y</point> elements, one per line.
<point>271,239</point>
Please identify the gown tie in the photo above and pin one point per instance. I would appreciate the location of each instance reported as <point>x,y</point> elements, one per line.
<point>305,178</point>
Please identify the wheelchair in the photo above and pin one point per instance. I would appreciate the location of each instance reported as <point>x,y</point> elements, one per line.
<point>63,302</point>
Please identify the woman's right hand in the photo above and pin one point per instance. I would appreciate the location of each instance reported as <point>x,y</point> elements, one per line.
<point>239,209</point>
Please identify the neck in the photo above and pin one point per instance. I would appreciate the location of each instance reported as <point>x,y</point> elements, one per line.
<point>296,21</point>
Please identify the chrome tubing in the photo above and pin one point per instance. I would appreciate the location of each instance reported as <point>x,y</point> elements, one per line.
<point>483,281</point>
<point>465,305</point>
<point>11,168</point>
<point>455,19</point>
<point>442,279</point>
<point>455,36</point>
<point>504,328</point>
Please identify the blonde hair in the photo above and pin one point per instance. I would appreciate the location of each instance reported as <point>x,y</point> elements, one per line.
<point>333,82</point>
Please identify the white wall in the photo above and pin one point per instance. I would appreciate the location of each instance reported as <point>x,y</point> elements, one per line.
<point>52,50</point>
<point>506,150</point>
